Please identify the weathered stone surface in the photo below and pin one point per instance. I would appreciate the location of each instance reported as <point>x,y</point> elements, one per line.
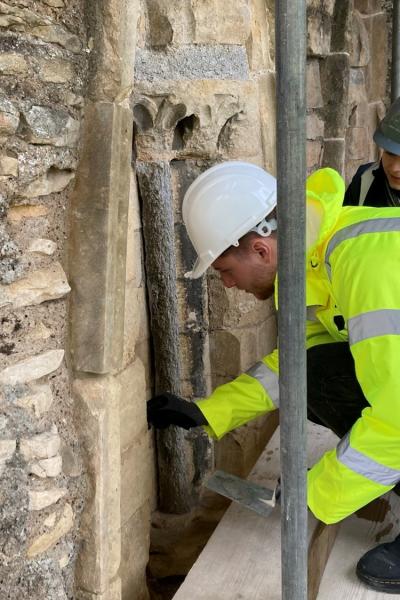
<point>9,117</point>
<point>319,26</point>
<point>377,67</point>
<point>113,592</point>
<point>23,19</point>
<point>12,63</point>
<point>8,166</point>
<point>192,62</point>
<point>98,424</point>
<point>136,474</point>
<point>41,575</point>
<point>37,287</point>
<point>71,464</point>
<point>55,180</point>
<point>314,155</point>
<point>360,53</point>
<point>133,425</point>
<point>47,467</point>
<point>41,446</point>
<point>315,126</point>
<point>42,246</point>
<point>7,449</point>
<point>135,555</point>
<point>314,94</point>
<point>113,30</point>
<point>47,540</point>
<point>32,368</point>
<point>100,206</point>
<point>39,399</point>
<point>357,142</point>
<point>230,23</point>
<point>39,499</point>
<point>44,125</point>
<point>334,153</point>
<point>56,70</point>
<point>335,89</point>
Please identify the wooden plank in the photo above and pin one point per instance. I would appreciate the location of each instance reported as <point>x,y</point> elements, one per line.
<point>376,524</point>
<point>242,559</point>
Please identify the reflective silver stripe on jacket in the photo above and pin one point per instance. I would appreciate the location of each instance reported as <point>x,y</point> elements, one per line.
<point>268,379</point>
<point>352,231</point>
<point>364,465</point>
<point>374,324</point>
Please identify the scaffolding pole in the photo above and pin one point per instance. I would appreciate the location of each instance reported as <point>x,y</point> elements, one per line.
<point>395,84</point>
<point>290,19</point>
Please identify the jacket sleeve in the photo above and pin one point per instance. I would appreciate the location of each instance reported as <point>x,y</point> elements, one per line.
<point>250,395</point>
<point>366,462</point>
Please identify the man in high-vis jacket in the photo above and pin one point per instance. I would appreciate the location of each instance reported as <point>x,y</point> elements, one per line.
<point>378,184</point>
<point>353,296</point>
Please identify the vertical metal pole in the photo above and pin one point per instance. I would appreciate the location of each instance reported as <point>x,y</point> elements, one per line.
<point>395,87</point>
<point>290,22</point>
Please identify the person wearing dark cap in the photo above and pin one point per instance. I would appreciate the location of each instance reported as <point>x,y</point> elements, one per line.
<point>378,184</point>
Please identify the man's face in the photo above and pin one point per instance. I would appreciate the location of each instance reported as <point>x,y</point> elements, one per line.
<point>252,270</point>
<point>391,166</point>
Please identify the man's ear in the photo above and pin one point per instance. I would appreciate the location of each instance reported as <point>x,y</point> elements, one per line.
<point>261,246</point>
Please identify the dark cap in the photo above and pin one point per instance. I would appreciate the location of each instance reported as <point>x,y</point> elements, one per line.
<point>387,134</point>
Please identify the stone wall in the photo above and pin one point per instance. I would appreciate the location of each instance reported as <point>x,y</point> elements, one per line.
<point>95,314</point>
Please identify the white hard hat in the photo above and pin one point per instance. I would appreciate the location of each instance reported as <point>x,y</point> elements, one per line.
<point>222,205</point>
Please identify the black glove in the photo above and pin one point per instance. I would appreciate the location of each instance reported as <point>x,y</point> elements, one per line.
<point>167,409</point>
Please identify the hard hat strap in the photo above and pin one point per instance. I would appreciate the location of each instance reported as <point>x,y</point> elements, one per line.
<point>265,228</point>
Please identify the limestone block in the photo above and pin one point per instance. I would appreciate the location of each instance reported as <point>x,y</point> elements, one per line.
<point>357,88</point>
<point>16,214</point>
<point>357,142</point>
<point>376,112</point>
<point>7,449</point>
<point>260,43</point>
<point>42,246</point>
<point>266,102</point>
<point>56,70</point>
<point>47,540</point>
<point>135,542</point>
<point>32,368</point>
<point>44,125</point>
<point>50,520</point>
<point>41,446</point>
<point>360,52</point>
<point>8,166</point>
<point>230,23</point>
<point>9,117</point>
<point>334,153</point>
<point>335,88</point>
<point>315,126</point>
<point>377,67</point>
<point>112,592</point>
<point>54,180</point>
<point>71,464</point>
<point>57,35</point>
<point>37,287</point>
<point>132,404</point>
<point>98,426</point>
<point>136,476</point>
<point>314,94</point>
<point>39,499</point>
<point>39,399</point>
<point>112,59</point>
<point>12,63</point>
<point>100,206</point>
<point>48,467</point>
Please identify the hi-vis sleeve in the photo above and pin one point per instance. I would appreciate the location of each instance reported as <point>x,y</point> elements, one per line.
<point>363,262</point>
<point>250,395</point>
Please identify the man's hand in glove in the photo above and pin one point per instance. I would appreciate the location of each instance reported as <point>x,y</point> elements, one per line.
<point>167,409</point>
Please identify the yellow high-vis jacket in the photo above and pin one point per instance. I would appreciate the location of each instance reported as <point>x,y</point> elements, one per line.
<point>352,270</point>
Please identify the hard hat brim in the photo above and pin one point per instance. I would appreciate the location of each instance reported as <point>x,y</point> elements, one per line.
<point>199,268</point>
<point>387,144</point>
